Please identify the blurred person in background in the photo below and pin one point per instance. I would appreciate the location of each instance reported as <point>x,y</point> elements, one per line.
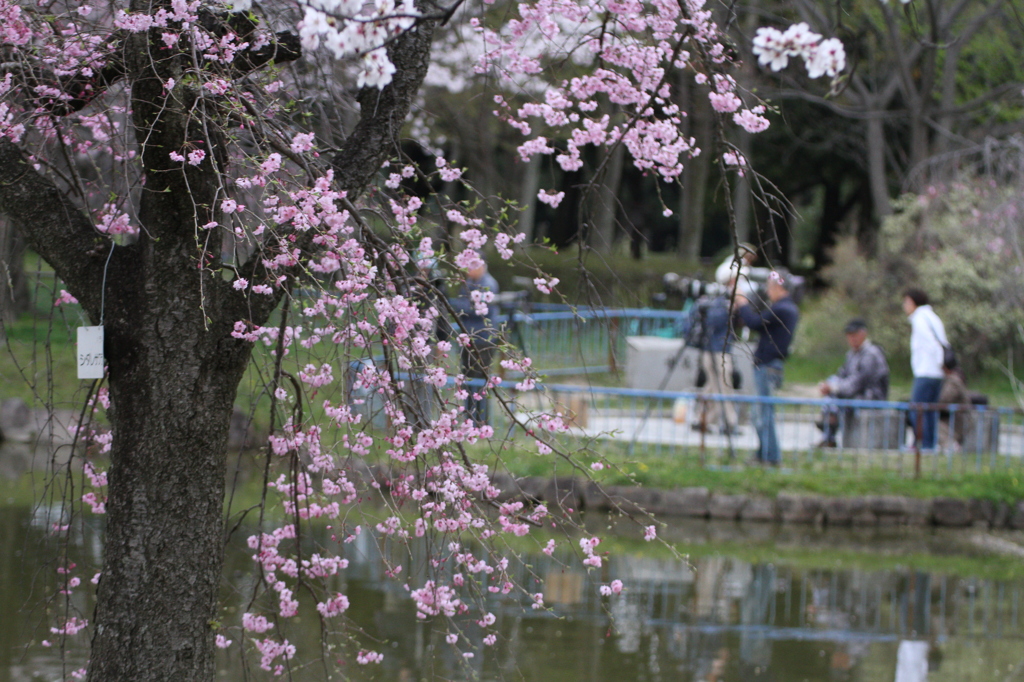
<point>863,376</point>
<point>776,325</point>
<point>927,355</point>
<point>474,320</point>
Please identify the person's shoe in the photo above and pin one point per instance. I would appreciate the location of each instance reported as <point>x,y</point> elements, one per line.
<point>827,443</point>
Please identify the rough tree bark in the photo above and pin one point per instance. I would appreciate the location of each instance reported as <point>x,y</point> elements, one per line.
<point>14,296</point>
<point>173,365</point>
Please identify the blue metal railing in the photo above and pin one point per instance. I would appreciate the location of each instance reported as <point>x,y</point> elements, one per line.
<point>867,433</point>
<point>565,340</point>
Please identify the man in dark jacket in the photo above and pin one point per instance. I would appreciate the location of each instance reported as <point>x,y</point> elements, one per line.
<point>475,319</point>
<point>776,325</point>
<point>863,376</point>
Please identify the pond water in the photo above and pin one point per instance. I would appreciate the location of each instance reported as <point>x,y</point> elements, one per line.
<point>751,603</point>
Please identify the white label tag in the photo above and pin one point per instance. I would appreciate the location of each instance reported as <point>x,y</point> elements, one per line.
<point>90,353</point>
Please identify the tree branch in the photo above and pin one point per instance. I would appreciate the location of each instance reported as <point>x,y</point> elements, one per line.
<point>384,111</point>
<point>53,226</point>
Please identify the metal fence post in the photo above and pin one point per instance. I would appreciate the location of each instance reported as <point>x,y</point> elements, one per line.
<point>918,434</point>
<point>613,337</point>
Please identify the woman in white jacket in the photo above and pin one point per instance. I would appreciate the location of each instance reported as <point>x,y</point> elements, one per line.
<point>927,353</point>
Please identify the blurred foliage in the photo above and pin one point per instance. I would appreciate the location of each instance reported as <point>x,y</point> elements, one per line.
<point>592,279</point>
<point>962,245</point>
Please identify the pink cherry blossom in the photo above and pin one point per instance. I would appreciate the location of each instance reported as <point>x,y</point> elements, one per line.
<point>551,198</point>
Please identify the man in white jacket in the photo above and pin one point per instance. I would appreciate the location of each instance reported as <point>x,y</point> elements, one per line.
<point>927,352</point>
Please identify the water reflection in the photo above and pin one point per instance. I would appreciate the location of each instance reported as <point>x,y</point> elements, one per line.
<point>717,618</point>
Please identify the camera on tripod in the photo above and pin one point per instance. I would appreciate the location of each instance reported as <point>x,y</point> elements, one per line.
<point>683,289</point>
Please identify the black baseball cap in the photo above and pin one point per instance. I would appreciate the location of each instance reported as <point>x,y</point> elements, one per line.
<point>855,325</point>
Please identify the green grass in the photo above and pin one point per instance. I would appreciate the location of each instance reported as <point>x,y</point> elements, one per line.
<point>673,470</point>
<point>960,558</point>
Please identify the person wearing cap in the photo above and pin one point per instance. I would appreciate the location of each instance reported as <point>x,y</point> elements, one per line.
<point>475,320</point>
<point>776,325</point>
<point>740,272</point>
<point>863,376</point>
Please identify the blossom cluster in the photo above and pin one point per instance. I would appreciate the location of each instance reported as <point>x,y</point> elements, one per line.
<point>774,48</point>
<point>358,33</point>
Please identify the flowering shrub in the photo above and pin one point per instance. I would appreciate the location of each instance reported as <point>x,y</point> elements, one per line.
<point>961,244</point>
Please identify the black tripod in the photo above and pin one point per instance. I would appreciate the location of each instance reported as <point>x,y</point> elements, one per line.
<point>697,336</point>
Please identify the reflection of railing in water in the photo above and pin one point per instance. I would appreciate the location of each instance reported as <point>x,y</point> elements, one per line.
<point>778,602</point>
<point>675,614</point>
<point>717,594</point>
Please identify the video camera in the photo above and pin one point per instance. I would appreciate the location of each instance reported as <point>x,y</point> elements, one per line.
<point>754,286</point>
<point>693,289</point>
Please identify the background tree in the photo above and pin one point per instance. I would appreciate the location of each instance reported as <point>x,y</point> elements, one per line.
<point>927,81</point>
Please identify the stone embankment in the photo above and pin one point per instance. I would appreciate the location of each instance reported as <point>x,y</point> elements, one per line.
<point>868,510</point>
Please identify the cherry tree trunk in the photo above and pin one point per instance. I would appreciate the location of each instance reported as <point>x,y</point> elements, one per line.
<point>172,383</point>
<point>168,309</point>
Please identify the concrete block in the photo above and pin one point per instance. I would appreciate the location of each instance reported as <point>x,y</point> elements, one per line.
<point>868,429</point>
<point>760,509</point>
<point>564,492</point>
<point>893,510</point>
<point>982,512</point>
<point>951,512</point>
<point>1016,520</point>
<point>630,499</point>
<point>692,502</point>
<point>726,506</point>
<point>1001,516</point>
<point>800,508</point>
<point>845,511</point>
<point>919,511</point>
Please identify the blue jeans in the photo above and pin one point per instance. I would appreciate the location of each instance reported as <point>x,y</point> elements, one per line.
<point>926,390</point>
<point>767,379</point>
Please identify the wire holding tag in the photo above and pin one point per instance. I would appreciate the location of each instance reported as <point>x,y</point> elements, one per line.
<point>91,359</point>
<point>103,286</point>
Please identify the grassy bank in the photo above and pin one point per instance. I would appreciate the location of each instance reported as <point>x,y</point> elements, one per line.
<point>946,553</point>
<point>674,471</point>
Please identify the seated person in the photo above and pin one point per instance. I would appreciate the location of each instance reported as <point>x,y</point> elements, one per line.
<point>954,392</point>
<point>863,376</point>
